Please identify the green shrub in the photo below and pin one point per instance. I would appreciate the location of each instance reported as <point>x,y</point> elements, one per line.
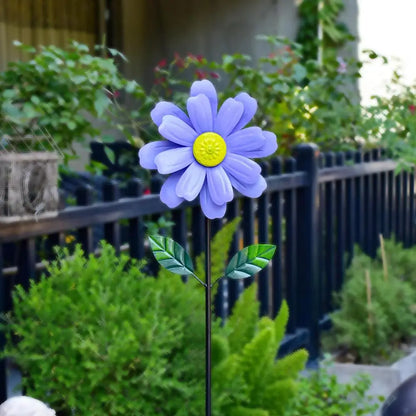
<point>320,394</point>
<point>376,309</point>
<point>99,337</point>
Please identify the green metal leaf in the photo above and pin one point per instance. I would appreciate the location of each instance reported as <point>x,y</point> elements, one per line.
<point>249,261</point>
<point>171,255</point>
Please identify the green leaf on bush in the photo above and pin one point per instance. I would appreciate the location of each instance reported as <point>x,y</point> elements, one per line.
<point>249,261</point>
<point>171,255</point>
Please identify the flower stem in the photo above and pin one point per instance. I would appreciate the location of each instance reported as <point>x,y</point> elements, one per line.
<point>208,317</point>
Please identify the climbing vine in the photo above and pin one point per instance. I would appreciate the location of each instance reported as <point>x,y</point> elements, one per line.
<point>321,16</point>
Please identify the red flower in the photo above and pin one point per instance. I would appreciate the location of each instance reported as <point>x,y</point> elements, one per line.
<point>147,191</point>
<point>199,58</point>
<point>179,62</point>
<point>161,64</point>
<point>159,81</point>
<point>214,75</point>
<point>200,74</point>
<point>412,108</point>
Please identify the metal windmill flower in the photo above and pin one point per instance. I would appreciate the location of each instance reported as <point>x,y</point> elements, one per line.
<point>208,152</point>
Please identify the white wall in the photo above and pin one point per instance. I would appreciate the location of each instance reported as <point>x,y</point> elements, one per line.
<point>388,27</point>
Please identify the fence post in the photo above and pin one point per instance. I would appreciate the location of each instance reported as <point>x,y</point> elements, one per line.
<point>307,243</point>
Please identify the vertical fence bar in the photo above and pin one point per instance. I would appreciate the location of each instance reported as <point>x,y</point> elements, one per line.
<point>112,229</point>
<point>221,297</point>
<point>391,205</point>
<point>84,196</point>
<point>327,285</point>
<point>179,231</point>
<point>307,207</point>
<point>322,231</point>
<point>359,204</point>
<point>26,263</point>
<point>263,233</point>
<point>368,210</point>
<point>136,225</point>
<point>4,291</point>
<point>197,227</point>
<point>235,286</point>
<point>376,204</point>
<point>276,215</point>
<point>291,257</point>
<point>340,230</point>
<point>248,230</point>
<point>406,204</point>
<point>54,240</point>
<point>384,196</point>
<point>412,208</point>
<point>350,211</point>
<point>399,206</point>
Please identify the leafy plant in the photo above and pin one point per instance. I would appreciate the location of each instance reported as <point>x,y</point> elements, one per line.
<point>321,394</point>
<point>247,378</point>
<point>58,92</point>
<point>368,327</point>
<point>299,100</point>
<point>391,120</point>
<point>97,337</point>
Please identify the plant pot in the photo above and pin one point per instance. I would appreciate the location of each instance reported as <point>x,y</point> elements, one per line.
<point>28,185</point>
<point>384,378</point>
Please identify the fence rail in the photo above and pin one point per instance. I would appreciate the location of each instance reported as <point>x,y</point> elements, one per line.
<point>316,208</point>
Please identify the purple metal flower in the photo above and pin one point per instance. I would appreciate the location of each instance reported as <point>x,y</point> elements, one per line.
<point>208,153</point>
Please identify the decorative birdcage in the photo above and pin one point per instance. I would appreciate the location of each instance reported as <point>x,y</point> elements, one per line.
<point>28,178</point>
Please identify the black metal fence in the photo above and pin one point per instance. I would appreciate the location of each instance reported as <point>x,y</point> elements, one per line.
<point>316,207</point>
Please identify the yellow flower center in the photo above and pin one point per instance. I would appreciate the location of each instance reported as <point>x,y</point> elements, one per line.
<point>209,149</point>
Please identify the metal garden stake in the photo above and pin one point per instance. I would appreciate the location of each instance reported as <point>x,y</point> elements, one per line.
<point>207,153</point>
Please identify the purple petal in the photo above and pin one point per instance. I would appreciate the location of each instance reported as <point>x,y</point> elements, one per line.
<point>253,190</point>
<point>228,116</point>
<point>177,131</point>
<point>207,88</point>
<point>164,108</point>
<point>200,113</point>
<point>168,194</point>
<point>149,151</point>
<point>242,168</point>
<point>245,140</point>
<point>250,108</point>
<point>271,143</point>
<point>173,160</point>
<point>210,209</point>
<point>219,186</point>
<point>191,182</point>
<point>267,149</point>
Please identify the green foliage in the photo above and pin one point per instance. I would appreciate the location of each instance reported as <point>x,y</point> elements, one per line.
<point>370,325</point>
<point>247,379</point>
<point>58,91</point>
<point>391,120</point>
<point>99,337</point>
<point>299,100</point>
<point>320,394</point>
